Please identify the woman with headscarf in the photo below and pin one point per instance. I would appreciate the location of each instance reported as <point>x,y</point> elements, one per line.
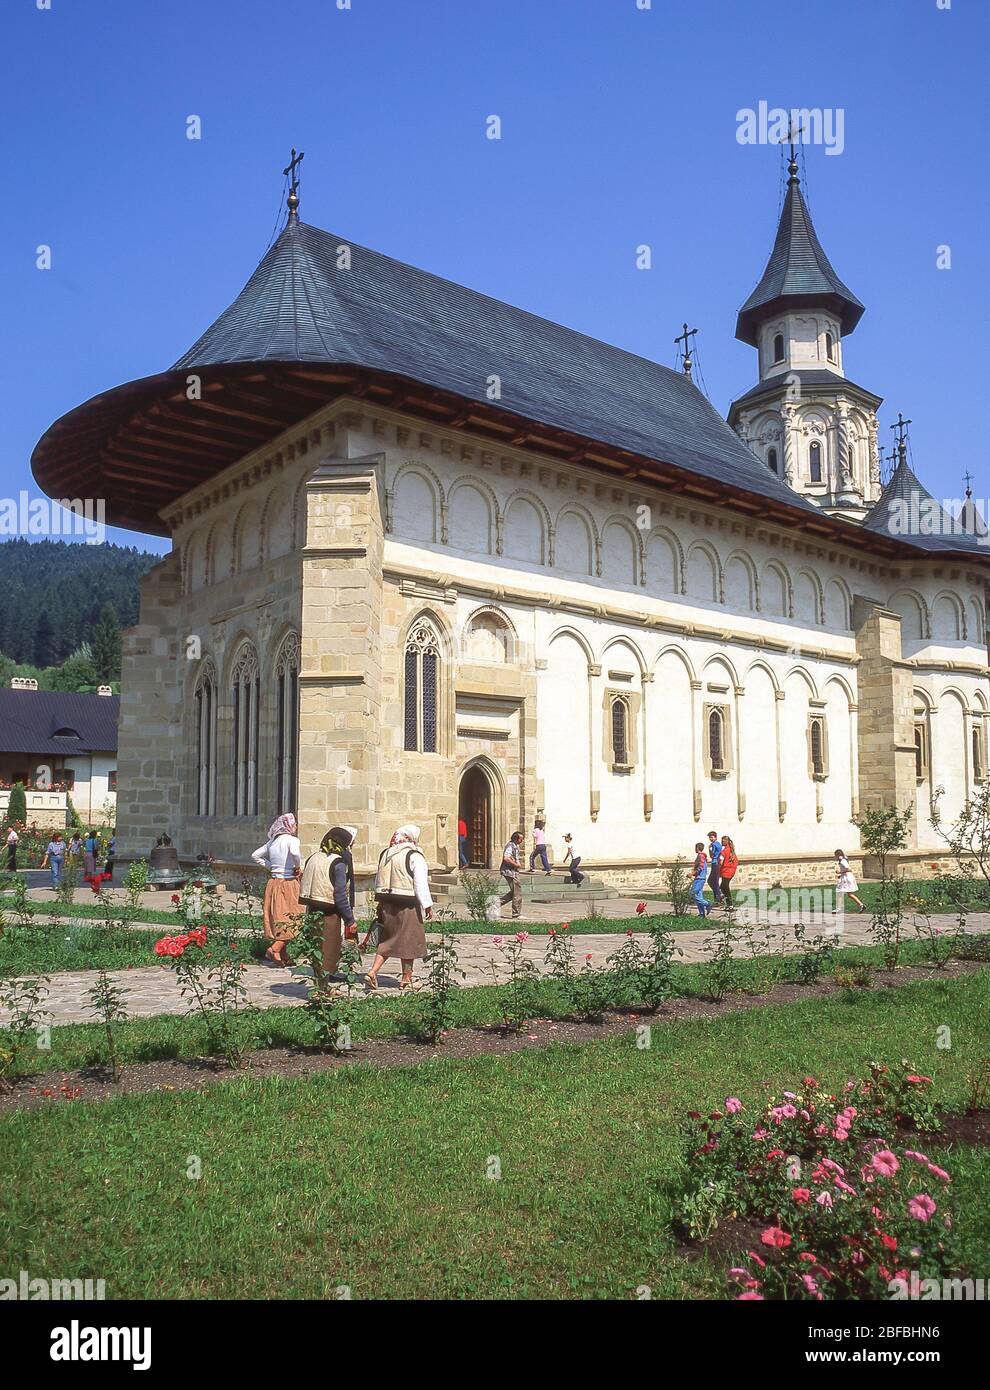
<point>402,890</point>
<point>327,886</point>
<point>281,855</point>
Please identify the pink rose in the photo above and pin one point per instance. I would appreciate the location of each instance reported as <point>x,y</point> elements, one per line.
<point>921,1207</point>
<point>733,1105</point>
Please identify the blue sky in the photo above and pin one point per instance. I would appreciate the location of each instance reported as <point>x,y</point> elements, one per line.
<point>618,129</point>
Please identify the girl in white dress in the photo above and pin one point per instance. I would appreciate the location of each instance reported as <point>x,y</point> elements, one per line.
<point>845,883</point>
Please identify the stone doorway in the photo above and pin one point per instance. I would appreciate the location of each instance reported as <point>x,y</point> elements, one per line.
<point>475,807</point>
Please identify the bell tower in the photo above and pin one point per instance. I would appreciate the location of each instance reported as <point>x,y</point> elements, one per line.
<point>805,420</point>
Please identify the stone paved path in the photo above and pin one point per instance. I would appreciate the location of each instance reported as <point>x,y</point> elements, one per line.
<point>153,989</point>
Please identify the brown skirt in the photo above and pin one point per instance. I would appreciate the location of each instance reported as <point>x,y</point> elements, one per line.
<point>402,931</point>
<point>281,910</point>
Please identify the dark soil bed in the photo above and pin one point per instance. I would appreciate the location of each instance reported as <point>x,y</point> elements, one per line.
<point>196,1073</point>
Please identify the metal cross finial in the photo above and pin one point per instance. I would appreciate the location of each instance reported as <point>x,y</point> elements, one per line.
<point>685,338</point>
<point>967,479</point>
<point>901,428</point>
<point>290,171</point>
<point>792,166</point>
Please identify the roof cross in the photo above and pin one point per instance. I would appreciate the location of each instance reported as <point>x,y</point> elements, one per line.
<point>901,428</point>
<point>792,166</point>
<point>290,171</point>
<point>685,338</point>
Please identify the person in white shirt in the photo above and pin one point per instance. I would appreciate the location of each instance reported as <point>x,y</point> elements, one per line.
<point>402,891</point>
<point>845,882</point>
<point>575,876</point>
<point>12,842</point>
<point>510,870</point>
<point>281,855</point>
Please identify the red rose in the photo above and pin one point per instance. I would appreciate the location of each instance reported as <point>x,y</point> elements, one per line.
<point>640,908</point>
<point>774,1236</point>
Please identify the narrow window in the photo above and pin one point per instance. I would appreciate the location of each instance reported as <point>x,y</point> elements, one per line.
<point>830,347</point>
<point>421,669</point>
<point>979,762</point>
<point>815,462</point>
<point>920,752</point>
<point>620,733</point>
<point>817,748</point>
<point>205,713</point>
<point>772,460</point>
<point>287,725</point>
<point>716,741</point>
<point>245,692</point>
<point>778,348</point>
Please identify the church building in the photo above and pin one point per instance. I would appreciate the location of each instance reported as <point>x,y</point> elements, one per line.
<point>434,556</point>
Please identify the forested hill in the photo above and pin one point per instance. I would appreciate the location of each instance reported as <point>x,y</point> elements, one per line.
<point>52,594</point>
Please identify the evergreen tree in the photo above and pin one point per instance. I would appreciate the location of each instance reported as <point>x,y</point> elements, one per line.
<point>43,639</point>
<point>106,645</point>
<point>77,672</point>
<point>17,807</point>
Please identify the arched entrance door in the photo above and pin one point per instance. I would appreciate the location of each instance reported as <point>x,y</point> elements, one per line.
<point>474,806</point>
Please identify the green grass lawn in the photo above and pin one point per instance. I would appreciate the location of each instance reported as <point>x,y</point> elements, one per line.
<point>927,890</point>
<point>377,1180</point>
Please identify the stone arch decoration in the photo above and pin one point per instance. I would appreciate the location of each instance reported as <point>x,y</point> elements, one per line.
<point>636,539</point>
<point>947,612</point>
<point>277,537</point>
<point>717,577</point>
<point>671,541</point>
<point>247,542</point>
<point>917,609</point>
<point>760,665</point>
<point>502,650</point>
<point>838,602</point>
<point>739,559</point>
<point>575,635</point>
<point>196,552</point>
<point>775,569</point>
<point>429,524</point>
<point>672,649</point>
<point>574,511</point>
<point>219,552</point>
<point>457,531</point>
<point>817,594</point>
<point>627,644</point>
<point>545,539</point>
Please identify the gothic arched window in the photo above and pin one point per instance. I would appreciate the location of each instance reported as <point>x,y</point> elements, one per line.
<point>422,674</point>
<point>620,732</point>
<point>205,733</point>
<point>772,460</point>
<point>287,724</point>
<point>245,687</point>
<point>830,347</point>
<point>716,740</point>
<point>815,462</point>
<point>778,347</point>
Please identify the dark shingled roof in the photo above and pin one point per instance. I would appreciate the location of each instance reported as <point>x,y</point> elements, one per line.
<point>907,511</point>
<point>815,376</point>
<point>797,274</point>
<point>299,305</point>
<point>29,720</point>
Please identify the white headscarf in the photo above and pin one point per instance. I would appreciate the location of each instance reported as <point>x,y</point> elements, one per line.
<point>405,833</point>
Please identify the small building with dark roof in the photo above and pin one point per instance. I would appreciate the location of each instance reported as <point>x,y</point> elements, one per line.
<point>59,745</point>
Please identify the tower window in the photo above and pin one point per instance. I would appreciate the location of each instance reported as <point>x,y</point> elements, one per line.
<point>772,460</point>
<point>830,347</point>
<point>716,740</point>
<point>815,462</point>
<point>620,731</point>
<point>778,347</point>
<point>816,747</point>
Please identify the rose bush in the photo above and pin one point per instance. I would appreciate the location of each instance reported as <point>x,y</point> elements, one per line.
<point>845,1204</point>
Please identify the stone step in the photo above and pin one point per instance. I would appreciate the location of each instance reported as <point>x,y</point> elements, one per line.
<point>535,888</point>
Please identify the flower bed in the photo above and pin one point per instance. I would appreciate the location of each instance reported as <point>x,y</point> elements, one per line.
<point>844,1203</point>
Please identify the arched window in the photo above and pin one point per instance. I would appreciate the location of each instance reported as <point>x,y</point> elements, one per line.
<point>245,686</point>
<point>815,462</point>
<point>716,740</point>
<point>772,460</point>
<point>422,670</point>
<point>620,732</point>
<point>778,347</point>
<point>287,724</point>
<point>830,347</point>
<point>205,734</point>
<point>920,751</point>
<point>979,756</point>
